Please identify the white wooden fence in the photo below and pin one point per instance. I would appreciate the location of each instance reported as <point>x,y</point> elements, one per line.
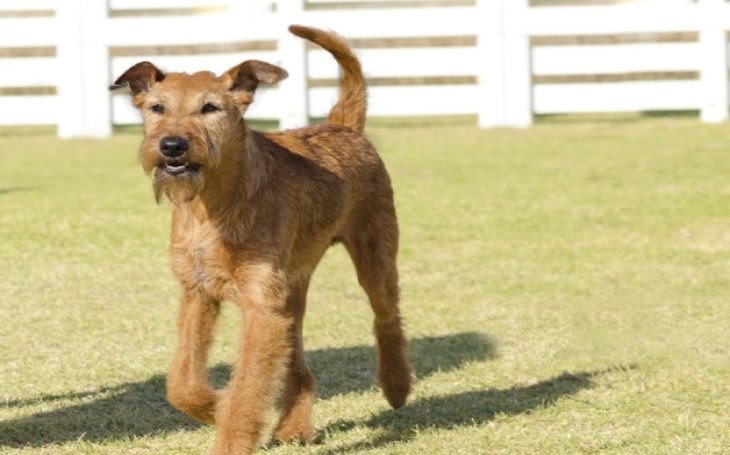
<point>502,60</point>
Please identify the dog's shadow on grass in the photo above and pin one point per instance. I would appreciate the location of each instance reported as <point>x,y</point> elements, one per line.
<point>347,370</point>
<point>140,409</point>
<point>462,409</point>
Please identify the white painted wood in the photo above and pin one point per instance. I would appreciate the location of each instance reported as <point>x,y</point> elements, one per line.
<point>502,60</point>
<point>84,63</point>
<point>123,112</point>
<point>402,62</point>
<point>29,31</point>
<point>491,66</point>
<point>230,27</point>
<point>189,30</point>
<point>609,19</point>
<point>28,72</point>
<point>29,110</point>
<point>325,2</point>
<point>505,77</point>
<point>267,105</point>
<point>517,67</point>
<point>714,64</point>
<point>616,97</point>
<point>615,58</point>
<point>166,4</point>
<point>251,7</point>
<point>28,5</point>
<point>397,22</point>
<point>70,56</point>
<point>293,90</point>
<point>95,71</point>
<point>405,100</point>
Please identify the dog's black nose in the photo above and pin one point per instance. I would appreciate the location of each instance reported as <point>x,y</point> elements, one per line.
<point>173,146</point>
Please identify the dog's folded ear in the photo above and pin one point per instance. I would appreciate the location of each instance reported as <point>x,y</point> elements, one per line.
<point>139,77</point>
<point>249,74</point>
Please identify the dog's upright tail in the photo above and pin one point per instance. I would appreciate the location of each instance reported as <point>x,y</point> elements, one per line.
<point>350,109</point>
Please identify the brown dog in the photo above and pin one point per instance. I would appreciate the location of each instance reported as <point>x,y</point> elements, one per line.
<point>253,214</point>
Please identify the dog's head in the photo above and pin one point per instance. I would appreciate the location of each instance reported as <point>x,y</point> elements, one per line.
<point>189,117</point>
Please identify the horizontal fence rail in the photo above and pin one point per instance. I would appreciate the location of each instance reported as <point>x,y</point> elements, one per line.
<point>503,61</point>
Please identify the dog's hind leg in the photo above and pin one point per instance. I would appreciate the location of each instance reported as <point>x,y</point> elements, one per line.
<point>188,388</point>
<point>295,423</point>
<point>372,241</point>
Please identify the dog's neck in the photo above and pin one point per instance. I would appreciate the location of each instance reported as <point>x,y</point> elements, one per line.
<point>235,179</point>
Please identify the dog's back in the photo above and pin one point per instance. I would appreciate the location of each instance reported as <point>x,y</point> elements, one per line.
<point>337,146</point>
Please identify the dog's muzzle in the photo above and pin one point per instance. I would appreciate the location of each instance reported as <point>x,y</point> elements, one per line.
<point>173,149</point>
<point>178,168</point>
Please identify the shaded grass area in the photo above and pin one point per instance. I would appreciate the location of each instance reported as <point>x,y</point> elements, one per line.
<point>565,288</point>
<point>139,408</point>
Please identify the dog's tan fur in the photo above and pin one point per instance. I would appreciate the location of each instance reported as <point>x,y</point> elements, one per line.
<point>253,213</point>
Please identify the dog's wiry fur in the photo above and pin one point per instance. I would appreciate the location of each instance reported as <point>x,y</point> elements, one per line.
<point>253,213</point>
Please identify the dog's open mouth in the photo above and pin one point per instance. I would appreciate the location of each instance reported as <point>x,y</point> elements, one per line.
<point>175,168</point>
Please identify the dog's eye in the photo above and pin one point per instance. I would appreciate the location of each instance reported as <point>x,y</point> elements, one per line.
<point>158,108</point>
<point>208,107</point>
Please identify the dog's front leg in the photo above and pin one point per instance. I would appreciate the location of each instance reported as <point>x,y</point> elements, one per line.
<point>258,378</point>
<point>188,388</point>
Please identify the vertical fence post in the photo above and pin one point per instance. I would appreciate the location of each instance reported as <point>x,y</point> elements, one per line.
<point>517,65</point>
<point>83,79</point>
<point>491,74</point>
<point>294,91</point>
<point>505,75</point>
<point>714,62</point>
<point>68,53</point>
<point>96,69</point>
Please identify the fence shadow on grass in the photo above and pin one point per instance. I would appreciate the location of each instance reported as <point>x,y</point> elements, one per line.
<point>139,409</point>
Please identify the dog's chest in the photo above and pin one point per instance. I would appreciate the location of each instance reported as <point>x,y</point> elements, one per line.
<point>199,259</point>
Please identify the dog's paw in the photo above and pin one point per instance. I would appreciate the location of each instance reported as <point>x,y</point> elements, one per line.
<point>292,435</point>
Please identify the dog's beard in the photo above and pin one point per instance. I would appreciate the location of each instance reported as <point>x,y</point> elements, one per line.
<point>177,189</point>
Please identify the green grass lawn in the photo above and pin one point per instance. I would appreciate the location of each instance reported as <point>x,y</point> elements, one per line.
<point>566,289</point>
